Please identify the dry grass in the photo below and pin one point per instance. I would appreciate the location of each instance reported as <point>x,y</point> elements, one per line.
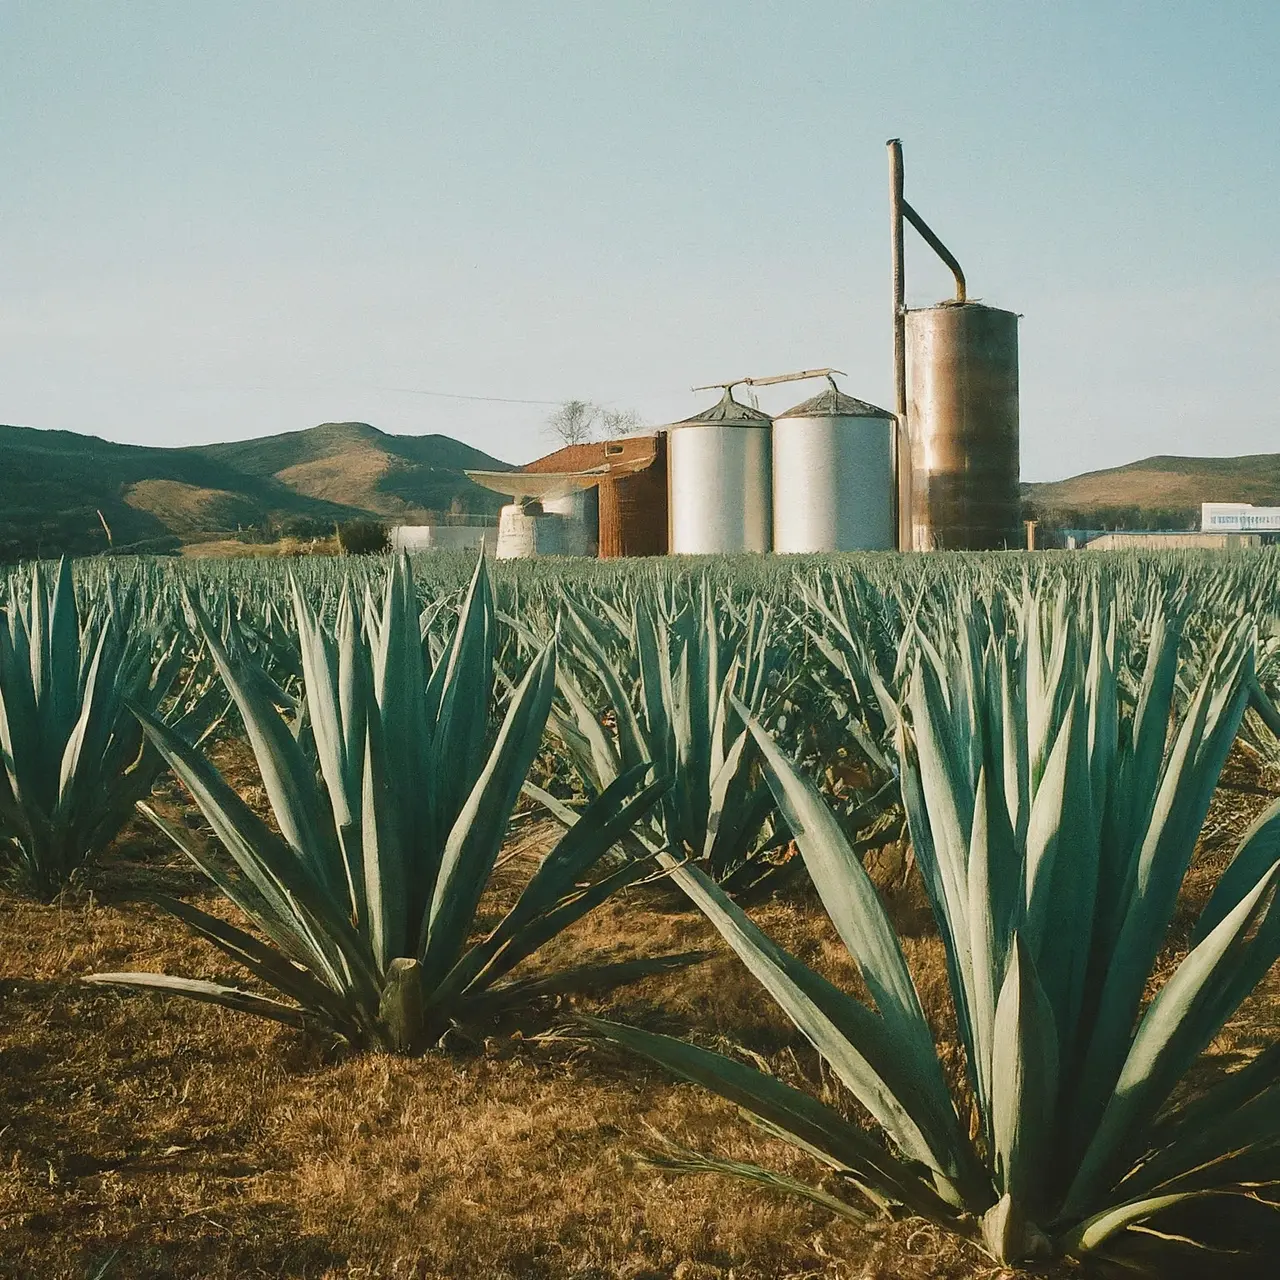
<point>188,508</point>
<point>236,549</point>
<point>183,1140</point>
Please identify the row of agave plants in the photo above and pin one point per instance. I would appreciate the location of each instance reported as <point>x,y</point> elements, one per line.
<point>1051,741</point>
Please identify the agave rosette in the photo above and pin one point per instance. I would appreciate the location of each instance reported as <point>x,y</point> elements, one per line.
<point>367,897</point>
<point>1054,816</point>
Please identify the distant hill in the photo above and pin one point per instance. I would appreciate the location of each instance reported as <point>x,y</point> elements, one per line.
<point>1164,491</point>
<point>53,484</point>
<point>356,465</point>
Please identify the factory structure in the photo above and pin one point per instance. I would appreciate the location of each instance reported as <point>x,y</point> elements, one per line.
<point>938,472</point>
<point>1238,517</point>
<point>833,473</point>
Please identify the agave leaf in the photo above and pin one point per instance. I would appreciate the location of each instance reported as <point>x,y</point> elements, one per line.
<point>563,813</point>
<point>1024,1083</point>
<point>543,908</point>
<point>852,902</point>
<point>1236,1145</point>
<point>1185,1015</point>
<point>261,960</point>
<point>1257,850</point>
<point>694,1162</point>
<point>208,992</point>
<point>285,881</point>
<point>631,741</point>
<point>473,844</point>
<point>823,1131</point>
<point>286,775</point>
<point>383,861</point>
<point>458,744</point>
<point>855,1041</point>
<point>1090,1235</point>
<point>291,935</point>
<point>1183,800</point>
<point>580,980</point>
<point>605,765</point>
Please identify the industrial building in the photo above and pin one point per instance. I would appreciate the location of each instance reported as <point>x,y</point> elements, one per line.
<point>1173,540</point>
<point>606,498</point>
<point>833,473</point>
<point>819,477</point>
<point>1238,517</point>
<point>415,538</point>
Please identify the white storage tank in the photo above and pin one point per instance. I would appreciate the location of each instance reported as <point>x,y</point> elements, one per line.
<point>719,466</point>
<point>834,476</point>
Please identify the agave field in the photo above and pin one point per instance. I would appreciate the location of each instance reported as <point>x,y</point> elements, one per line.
<point>845,916</point>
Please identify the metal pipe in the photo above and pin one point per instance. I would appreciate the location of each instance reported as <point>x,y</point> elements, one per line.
<point>902,447</point>
<point>937,246</point>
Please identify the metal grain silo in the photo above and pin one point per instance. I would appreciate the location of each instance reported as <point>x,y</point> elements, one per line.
<point>719,465</point>
<point>834,476</point>
<point>962,414</point>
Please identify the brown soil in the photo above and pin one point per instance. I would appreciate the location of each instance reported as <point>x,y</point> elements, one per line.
<point>162,1138</point>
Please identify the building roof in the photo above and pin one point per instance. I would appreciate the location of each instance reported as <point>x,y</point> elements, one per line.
<point>544,485</point>
<point>576,466</point>
<point>641,449</point>
<point>833,403</point>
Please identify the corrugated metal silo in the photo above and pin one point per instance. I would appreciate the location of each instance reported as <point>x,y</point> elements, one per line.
<point>962,414</point>
<point>833,476</point>
<point>719,464</point>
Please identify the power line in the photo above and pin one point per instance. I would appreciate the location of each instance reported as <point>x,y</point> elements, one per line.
<point>453,395</point>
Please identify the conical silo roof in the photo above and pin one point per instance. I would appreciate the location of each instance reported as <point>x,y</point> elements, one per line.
<point>728,412</point>
<point>833,403</point>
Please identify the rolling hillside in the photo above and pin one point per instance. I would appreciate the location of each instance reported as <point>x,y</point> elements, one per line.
<point>1160,492</point>
<point>1169,481</point>
<point>356,465</point>
<point>53,484</point>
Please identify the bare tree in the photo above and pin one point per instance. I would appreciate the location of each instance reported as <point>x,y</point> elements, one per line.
<point>620,422</point>
<point>574,421</point>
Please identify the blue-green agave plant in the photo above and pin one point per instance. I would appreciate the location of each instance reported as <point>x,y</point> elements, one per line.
<point>368,897</point>
<point>1054,811</point>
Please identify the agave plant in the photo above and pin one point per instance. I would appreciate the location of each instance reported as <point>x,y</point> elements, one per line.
<point>1054,821</point>
<point>368,896</point>
<point>72,756</point>
<point>690,681</point>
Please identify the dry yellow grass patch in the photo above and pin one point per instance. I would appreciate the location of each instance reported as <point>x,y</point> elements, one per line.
<point>183,1140</point>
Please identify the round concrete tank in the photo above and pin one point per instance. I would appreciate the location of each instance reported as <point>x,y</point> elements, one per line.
<point>962,416</point>
<point>833,476</point>
<point>580,511</point>
<point>719,465</point>
<point>525,531</point>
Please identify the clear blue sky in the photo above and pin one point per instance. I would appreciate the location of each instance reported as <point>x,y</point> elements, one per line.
<point>226,219</point>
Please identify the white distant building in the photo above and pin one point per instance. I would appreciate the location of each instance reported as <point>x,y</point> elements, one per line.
<point>1238,517</point>
<point>442,537</point>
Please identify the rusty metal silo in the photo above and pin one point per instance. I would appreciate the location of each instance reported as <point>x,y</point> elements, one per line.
<point>956,396</point>
<point>962,415</point>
